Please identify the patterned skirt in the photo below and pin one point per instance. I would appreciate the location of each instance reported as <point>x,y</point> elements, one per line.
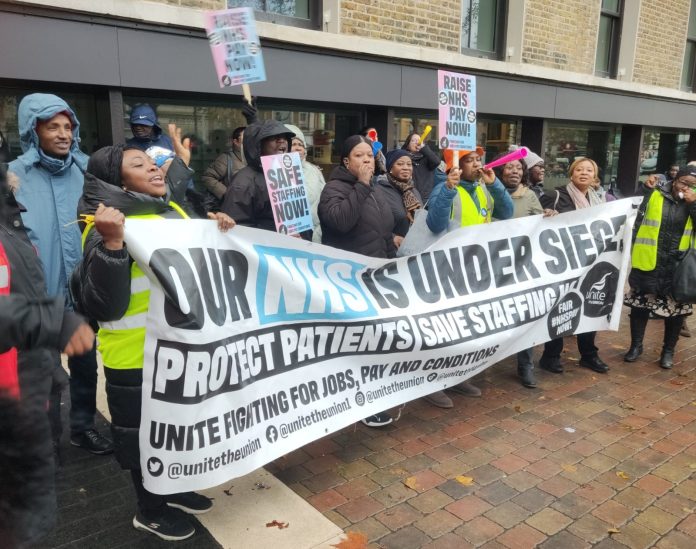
<point>660,306</point>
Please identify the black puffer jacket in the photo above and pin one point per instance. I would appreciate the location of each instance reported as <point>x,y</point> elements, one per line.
<point>38,326</point>
<point>674,216</point>
<point>356,217</point>
<point>246,199</point>
<point>103,293</point>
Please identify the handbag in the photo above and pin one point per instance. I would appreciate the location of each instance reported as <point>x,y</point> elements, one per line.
<point>419,236</point>
<point>684,277</point>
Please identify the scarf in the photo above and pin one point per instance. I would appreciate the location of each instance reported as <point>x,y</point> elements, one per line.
<point>411,202</point>
<point>580,200</point>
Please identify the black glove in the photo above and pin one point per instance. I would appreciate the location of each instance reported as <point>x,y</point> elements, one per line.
<point>250,112</point>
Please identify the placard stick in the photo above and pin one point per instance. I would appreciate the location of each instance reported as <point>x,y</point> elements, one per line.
<point>246,90</point>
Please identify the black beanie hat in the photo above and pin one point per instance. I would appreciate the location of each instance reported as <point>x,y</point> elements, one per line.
<point>105,164</point>
<point>351,142</point>
<point>393,156</point>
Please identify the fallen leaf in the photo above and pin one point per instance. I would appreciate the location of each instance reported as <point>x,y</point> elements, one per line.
<point>626,406</point>
<point>518,409</point>
<point>614,531</point>
<point>676,382</point>
<point>692,465</point>
<point>466,481</point>
<point>542,398</point>
<point>354,540</point>
<point>412,483</point>
<point>568,429</point>
<point>278,524</point>
<point>82,491</point>
<point>569,468</point>
<point>228,491</point>
<point>687,510</point>
<point>260,486</point>
<point>622,475</point>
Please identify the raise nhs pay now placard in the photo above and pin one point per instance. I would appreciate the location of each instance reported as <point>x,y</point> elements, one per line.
<point>235,46</point>
<point>456,99</point>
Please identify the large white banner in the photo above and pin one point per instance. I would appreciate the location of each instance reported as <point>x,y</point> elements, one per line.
<point>258,343</point>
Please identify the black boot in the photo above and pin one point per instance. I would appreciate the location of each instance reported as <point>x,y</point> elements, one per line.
<point>672,328</point>
<point>639,320</point>
<point>525,368</point>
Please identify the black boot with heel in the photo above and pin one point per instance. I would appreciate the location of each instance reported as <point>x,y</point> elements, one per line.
<point>672,328</point>
<point>639,320</point>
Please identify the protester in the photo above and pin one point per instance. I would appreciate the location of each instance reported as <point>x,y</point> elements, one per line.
<point>218,175</point>
<point>246,199</point>
<point>146,130</point>
<point>50,174</point>
<point>314,179</point>
<point>38,327</point>
<point>513,176</point>
<point>404,200</point>
<point>664,227</point>
<point>671,174</point>
<point>121,182</point>
<point>425,162</point>
<point>536,171</point>
<point>577,194</point>
<point>480,196</point>
<point>356,217</point>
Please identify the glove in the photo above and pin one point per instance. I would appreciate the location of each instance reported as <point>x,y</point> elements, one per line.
<point>249,111</point>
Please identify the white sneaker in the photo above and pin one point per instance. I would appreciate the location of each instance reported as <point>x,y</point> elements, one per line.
<point>380,419</point>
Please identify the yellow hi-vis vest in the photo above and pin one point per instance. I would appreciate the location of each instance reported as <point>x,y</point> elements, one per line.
<point>644,254</point>
<point>122,342</point>
<point>465,210</point>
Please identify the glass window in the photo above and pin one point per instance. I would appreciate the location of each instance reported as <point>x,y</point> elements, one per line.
<point>300,13</point>
<point>608,38</point>
<point>661,149</point>
<point>495,135</point>
<point>210,126</point>
<point>83,104</point>
<point>566,141</point>
<point>483,27</point>
<point>688,82</point>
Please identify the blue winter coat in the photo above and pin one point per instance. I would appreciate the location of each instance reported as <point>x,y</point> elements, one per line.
<point>440,203</point>
<point>49,189</point>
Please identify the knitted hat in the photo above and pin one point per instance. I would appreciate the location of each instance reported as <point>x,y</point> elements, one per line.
<point>393,156</point>
<point>298,133</point>
<point>532,159</point>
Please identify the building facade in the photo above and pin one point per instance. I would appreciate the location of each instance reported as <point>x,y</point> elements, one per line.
<point>609,79</point>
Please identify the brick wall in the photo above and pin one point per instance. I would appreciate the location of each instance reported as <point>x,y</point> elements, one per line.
<point>429,23</point>
<point>660,43</point>
<point>561,34</point>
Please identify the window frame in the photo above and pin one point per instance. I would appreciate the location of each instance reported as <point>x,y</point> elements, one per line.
<point>616,18</point>
<point>314,22</point>
<point>499,33</point>
<point>689,86</point>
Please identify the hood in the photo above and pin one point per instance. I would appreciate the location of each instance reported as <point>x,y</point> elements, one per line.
<point>44,106</point>
<point>97,192</point>
<point>257,132</point>
<point>298,133</point>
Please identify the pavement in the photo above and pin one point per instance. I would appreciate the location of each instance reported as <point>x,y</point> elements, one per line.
<point>585,460</point>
